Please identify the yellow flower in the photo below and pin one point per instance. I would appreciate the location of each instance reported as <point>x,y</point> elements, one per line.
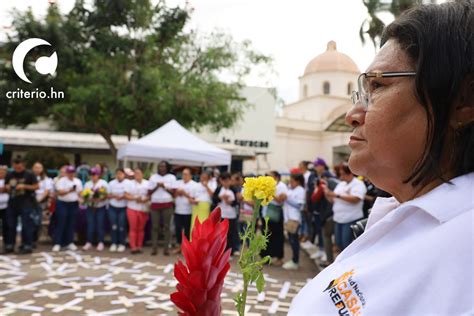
<point>86,192</point>
<point>262,188</point>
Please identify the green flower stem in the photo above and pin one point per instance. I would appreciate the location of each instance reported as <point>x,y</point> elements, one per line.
<point>248,258</point>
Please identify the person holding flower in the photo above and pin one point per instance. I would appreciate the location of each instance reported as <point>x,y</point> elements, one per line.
<point>68,189</point>
<point>292,208</point>
<point>118,210</point>
<point>137,210</point>
<point>96,203</point>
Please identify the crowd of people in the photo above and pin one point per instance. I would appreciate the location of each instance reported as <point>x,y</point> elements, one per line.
<point>313,207</point>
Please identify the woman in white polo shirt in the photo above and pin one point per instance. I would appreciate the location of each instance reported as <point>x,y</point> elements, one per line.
<point>68,189</point>
<point>183,207</point>
<point>117,210</point>
<point>161,189</point>
<point>413,120</point>
<point>137,210</point>
<point>96,210</point>
<point>348,201</point>
<point>202,199</point>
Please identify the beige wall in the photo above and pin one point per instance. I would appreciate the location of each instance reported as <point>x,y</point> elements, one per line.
<point>338,81</point>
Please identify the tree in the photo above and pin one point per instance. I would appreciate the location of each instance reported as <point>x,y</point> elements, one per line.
<point>128,65</point>
<point>373,25</point>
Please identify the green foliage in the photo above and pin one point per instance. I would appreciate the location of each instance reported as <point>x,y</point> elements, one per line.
<point>49,158</point>
<point>127,65</point>
<point>373,25</point>
<point>250,263</point>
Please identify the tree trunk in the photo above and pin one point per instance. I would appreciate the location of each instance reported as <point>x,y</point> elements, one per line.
<point>108,139</point>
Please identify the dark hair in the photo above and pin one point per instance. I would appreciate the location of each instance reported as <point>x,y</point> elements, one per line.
<point>18,160</point>
<point>168,165</point>
<point>439,41</point>
<point>119,169</point>
<point>275,174</point>
<point>344,166</point>
<point>224,176</point>
<point>298,178</point>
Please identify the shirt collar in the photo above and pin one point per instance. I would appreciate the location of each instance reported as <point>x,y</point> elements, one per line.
<point>444,202</point>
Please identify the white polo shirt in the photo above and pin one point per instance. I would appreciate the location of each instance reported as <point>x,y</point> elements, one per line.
<point>64,184</point>
<point>345,212</point>
<point>161,195</point>
<point>3,196</point>
<point>182,204</point>
<point>118,188</point>
<point>136,189</point>
<point>415,258</point>
<point>201,194</point>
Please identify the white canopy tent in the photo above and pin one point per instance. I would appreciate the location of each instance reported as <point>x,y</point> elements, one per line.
<point>175,144</point>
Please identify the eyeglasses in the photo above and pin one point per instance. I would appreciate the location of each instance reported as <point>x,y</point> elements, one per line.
<point>363,95</point>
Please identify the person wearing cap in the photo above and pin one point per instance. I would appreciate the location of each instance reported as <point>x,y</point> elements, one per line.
<point>117,210</point>
<point>96,210</point>
<point>68,189</point>
<point>162,186</point>
<point>21,184</point>
<point>129,174</point>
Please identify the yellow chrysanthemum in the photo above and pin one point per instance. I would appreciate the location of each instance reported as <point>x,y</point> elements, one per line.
<point>86,192</point>
<point>261,188</point>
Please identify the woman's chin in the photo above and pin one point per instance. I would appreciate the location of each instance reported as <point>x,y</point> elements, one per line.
<point>358,163</point>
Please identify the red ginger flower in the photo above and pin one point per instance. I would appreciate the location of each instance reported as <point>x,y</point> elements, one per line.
<point>200,283</point>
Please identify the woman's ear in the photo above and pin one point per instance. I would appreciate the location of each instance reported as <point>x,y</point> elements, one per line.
<point>463,112</point>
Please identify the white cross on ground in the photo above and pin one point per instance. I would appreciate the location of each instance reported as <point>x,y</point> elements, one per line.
<point>12,280</point>
<point>117,270</point>
<point>69,306</point>
<point>130,302</point>
<point>53,294</point>
<point>164,306</point>
<point>110,312</point>
<point>146,291</point>
<point>121,284</point>
<point>90,294</point>
<point>102,278</point>
<point>119,261</point>
<point>142,265</point>
<point>26,306</point>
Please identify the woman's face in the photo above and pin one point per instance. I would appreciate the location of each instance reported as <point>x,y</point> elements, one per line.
<point>119,175</point>
<point>138,175</point>
<point>389,137</point>
<point>293,183</point>
<point>162,170</point>
<point>38,169</point>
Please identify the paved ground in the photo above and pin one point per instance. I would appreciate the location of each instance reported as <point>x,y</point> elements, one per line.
<point>104,283</point>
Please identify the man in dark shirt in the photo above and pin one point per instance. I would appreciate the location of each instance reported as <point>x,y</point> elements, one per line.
<point>21,184</point>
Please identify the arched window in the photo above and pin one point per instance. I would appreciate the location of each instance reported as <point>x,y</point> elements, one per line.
<point>349,88</point>
<point>326,87</point>
<point>305,91</point>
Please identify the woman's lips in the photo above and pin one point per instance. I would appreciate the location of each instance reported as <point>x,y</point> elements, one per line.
<point>355,139</point>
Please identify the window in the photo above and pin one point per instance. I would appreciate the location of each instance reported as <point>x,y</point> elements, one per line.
<point>326,88</point>
<point>305,91</point>
<point>349,88</point>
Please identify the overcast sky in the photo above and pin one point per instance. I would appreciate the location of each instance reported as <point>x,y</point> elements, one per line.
<point>292,32</point>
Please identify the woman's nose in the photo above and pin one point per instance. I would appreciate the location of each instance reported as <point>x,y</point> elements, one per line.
<point>356,115</point>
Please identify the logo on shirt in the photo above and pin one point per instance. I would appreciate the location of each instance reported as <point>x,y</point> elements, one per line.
<point>346,295</point>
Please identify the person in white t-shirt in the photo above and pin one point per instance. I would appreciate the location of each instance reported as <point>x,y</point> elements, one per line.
<point>162,186</point>
<point>3,201</point>
<point>274,212</point>
<point>137,210</point>
<point>42,196</point>
<point>68,189</point>
<point>183,207</point>
<point>229,211</point>
<point>292,211</point>
<point>348,200</point>
<point>118,210</point>
<point>96,209</point>
<point>202,199</point>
